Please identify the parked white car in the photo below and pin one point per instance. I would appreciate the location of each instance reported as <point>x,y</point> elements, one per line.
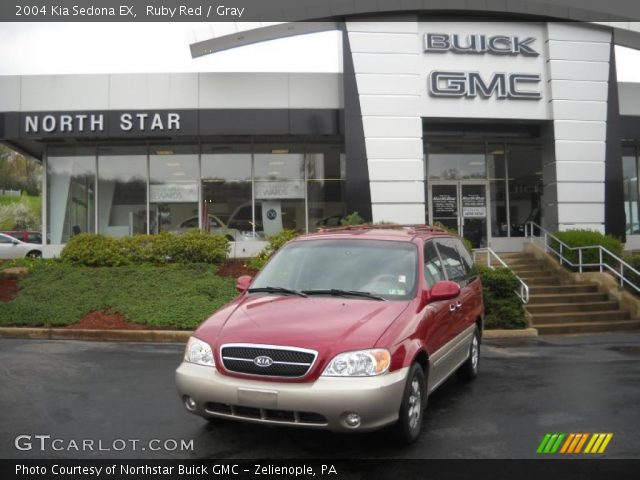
<point>216,226</point>
<point>11,248</point>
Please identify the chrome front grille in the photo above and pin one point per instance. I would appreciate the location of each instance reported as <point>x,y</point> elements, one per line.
<point>267,360</point>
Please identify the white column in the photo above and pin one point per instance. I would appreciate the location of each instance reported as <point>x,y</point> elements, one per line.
<point>578,66</point>
<point>386,63</point>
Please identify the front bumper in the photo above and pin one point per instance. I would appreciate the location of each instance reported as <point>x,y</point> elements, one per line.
<point>322,404</point>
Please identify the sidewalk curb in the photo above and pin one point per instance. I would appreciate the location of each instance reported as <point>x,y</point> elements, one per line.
<point>169,336</point>
<point>158,336</point>
<point>523,333</point>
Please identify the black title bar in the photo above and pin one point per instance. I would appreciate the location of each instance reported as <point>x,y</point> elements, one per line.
<point>534,469</point>
<point>299,10</point>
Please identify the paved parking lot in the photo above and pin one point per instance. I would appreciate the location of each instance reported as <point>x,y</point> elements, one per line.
<point>101,392</point>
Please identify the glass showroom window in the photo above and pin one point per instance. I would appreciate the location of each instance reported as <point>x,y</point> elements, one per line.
<point>173,189</point>
<point>122,190</point>
<point>226,191</point>
<point>279,188</point>
<point>457,162</point>
<point>496,165</point>
<point>70,192</point>
<point>325,186</point>
<point>630,186</point>
<point>524,168</point>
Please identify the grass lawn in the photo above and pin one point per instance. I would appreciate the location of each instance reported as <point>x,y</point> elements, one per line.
<point>33,202</point>
<point>172,296</point>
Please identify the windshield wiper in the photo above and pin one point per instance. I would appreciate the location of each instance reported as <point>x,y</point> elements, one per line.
<point>277,290</point>
<point>343,293</point>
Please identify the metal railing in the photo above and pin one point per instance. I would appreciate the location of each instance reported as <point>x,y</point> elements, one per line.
<point>560,249</point>
<point>523,292</point>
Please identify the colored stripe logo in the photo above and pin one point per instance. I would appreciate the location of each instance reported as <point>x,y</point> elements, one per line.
<point>574,443</point>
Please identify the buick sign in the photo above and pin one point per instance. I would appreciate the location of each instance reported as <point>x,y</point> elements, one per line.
<point>494,45</point>
<point>263,361</point>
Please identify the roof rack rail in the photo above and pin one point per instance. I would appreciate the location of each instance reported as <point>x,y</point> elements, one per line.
<point>386,226</point>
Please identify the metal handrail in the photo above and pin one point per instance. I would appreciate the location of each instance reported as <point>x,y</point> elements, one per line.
<point>523,294</point>
<point>560,252</point>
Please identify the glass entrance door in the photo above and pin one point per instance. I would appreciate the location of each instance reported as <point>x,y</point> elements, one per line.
<point>461,206</point>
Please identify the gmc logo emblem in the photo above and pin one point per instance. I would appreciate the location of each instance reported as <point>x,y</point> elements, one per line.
<point>472,85</point>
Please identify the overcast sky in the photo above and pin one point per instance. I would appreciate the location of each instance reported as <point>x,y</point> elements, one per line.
<point>55,48</point>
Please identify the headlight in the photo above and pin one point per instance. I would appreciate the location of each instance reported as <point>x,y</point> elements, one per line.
<point>362,363</point>
<point>199,352</point>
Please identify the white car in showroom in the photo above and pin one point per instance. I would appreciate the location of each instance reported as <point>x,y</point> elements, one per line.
<point>11,248</point>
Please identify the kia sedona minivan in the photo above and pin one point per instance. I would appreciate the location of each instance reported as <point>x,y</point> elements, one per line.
<point>349,329</point>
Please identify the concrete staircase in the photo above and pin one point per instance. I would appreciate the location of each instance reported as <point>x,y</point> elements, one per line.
<point>558,307</point>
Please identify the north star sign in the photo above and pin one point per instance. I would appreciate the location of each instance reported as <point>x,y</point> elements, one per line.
<point>95,122</point>
<point>511,86</point>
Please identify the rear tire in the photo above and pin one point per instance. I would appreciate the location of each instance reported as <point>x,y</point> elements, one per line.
<point>469,369</point>
<point>34,254</point>
<point>414,402</point>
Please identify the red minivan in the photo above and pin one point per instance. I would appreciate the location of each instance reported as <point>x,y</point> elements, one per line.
<point>348,329</point>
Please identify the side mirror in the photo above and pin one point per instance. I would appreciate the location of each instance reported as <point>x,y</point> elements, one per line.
<point>444,290</point>
<point>243,282</point>
<point>15,242</point>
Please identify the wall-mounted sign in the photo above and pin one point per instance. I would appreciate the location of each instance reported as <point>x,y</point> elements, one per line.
<point>34,123</point>
<point>471,84</point>
<point>279,190</point>
<point>173,193</point>
<point>502,85</point>
<point>474,43</point>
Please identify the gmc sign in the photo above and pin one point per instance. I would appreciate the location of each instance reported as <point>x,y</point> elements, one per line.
<point>472,85</point>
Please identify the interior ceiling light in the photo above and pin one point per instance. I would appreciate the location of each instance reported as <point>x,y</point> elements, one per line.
<point>178,174</point>
<point>173,164</point>
<point>276,163</point>
<point>279,150</point>
<point>496,152</point>
<point>167,151</point>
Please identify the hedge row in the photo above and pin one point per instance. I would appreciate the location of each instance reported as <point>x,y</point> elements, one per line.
<point>588,238</point>
<point>95,250</point>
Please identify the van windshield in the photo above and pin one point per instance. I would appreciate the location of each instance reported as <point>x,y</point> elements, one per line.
<point>384,268</point>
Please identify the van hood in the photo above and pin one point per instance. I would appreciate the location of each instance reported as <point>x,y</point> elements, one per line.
<point>328,325</point>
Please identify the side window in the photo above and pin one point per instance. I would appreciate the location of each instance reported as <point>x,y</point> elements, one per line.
<point>5,239</point>
<point>453,265</point>
<point>472,271</point>
<point>432,266</point>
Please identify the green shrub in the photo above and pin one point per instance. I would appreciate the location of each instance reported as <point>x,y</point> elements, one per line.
<point>352,219</point>
<point>93,250</point>
<point>587,238</point>
<point>503,308</point>
<point>275,242</point>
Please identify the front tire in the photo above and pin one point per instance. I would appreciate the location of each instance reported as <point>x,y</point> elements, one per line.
<point>469,369</point>
<point>34,254</point>
<point>414,401</point>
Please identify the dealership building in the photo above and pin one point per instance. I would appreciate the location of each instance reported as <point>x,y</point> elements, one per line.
<point>480,125</point>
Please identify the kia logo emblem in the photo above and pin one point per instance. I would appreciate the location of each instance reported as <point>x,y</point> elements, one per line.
<point>263,361</point>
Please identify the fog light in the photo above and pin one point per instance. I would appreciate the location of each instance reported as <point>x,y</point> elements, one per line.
<point>190,403</point>
<point>352,420</point>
